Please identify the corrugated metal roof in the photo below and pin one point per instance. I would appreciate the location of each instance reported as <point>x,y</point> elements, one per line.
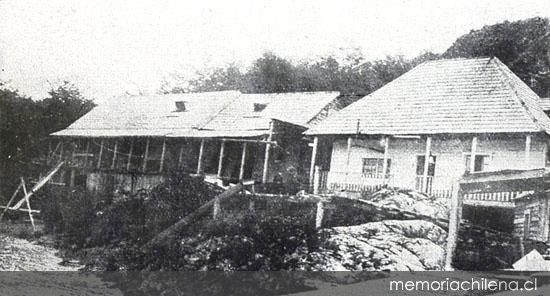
<point>478,95</point>
<point>210,114</point>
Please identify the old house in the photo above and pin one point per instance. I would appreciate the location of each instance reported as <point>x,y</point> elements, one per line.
<point>130,143</point>
<point>429,127</point>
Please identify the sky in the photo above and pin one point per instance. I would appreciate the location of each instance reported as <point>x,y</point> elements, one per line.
<point>109,48</point>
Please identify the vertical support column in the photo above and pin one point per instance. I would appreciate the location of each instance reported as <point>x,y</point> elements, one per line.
<point>100,153</point>
<point>313,160</point>
<point>527,151</point>
<point>201,152</point>
<point>267,151</point>
<point>115,149</point>
<point>473,152</point>
<point>220,161</point>
<point>348,155</point>
<point>180,157</point>
<point>243,159</point>
<point>145,155</point>
<point>72,177</point>
<point>455,215</point>
<point>129,163</point>
<point>317,179</point>
<point>162,154</point>
<point>385,164</point>
<point>426,164</point>
<point>87,152</point>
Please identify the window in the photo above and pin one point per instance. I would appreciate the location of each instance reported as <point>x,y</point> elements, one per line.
<point>481,162</point>
<point>374,167</point>
<point>421,160</point>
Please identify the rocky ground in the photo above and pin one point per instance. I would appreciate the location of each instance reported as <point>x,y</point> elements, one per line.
<point>387,245</point>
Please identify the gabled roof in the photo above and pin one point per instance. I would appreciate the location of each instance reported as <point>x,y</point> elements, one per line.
<point>209,114</point>
<point>479,95</point>
<point>152,115</point>
<point>297,108</point>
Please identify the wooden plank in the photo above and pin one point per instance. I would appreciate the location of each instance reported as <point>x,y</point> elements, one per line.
<point>243,159</point>
<point>162,154</point>
<point>473,151</point>
<point>267,152</point>
<point>100,154</point>
<point>348,154</point>
<point>220,161</point>
<point>11,200</point>
<point>455,215</point>
<point>145,155</point>
<point>129,163</point>
<point>313,160</point>
<point>115,150</point>
<point>167,236</point>
<point>40,184</point>
<point>426,164</point>
<point>386,156</point>
<point>201,153</point>
<point>28,203</point>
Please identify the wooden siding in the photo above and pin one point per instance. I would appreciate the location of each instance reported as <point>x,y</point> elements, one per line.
<point>536,206</point>
<point>503,151</point>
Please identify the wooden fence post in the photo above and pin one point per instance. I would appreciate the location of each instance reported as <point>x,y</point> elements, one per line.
<point>319,215</point>
<point>455,215</point>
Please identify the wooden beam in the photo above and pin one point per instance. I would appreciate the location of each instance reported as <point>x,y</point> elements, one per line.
<point>243,159</point>
<point>455,216</point>
<point>129,163</point>
<point>348,154</point>
<point>527,150</point>
<point>386,156</point>
<point>113,164</point>
<point>201,153</point>
<point>426,164</point>
<point>87,153</point>
<point>220,161</point>
<point>180,157</point>
<point>145,155</point>
<point>100,154</point>
<point>162,154</point>
<point>473,152</point>
<point>28,203</point>
<point>267,151</point>
<point>11,200</point>
<point>313,160</point>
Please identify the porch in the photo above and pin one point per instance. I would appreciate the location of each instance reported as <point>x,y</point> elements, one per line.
<point>429,164</point>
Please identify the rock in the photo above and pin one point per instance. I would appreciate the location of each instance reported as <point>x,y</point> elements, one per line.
<point>386,245</point>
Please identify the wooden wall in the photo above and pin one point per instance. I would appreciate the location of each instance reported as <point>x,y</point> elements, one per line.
<point>536,208</point>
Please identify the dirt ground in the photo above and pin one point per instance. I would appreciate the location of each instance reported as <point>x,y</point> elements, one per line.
<point>21,256</point>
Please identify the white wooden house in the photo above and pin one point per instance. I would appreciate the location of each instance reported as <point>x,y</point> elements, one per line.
<point>131,142</point>
<point>422,130</point>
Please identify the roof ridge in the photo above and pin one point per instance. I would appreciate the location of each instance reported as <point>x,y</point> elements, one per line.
<point>527,109</point>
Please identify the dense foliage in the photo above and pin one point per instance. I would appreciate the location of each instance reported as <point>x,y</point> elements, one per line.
<point>24,125</point>
<point>523,45</point>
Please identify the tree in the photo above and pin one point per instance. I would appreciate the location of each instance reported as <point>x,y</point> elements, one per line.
<point>524,46</point>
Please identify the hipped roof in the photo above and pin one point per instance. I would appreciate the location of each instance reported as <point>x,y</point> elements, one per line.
<point>479,95</point>
<point>208,115</point>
